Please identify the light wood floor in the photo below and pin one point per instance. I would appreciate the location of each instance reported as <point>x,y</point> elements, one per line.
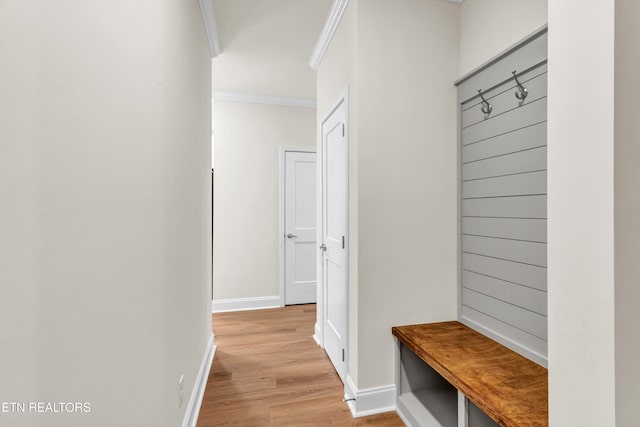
<point>268,371</point>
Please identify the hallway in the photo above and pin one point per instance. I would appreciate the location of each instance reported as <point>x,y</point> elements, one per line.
<point>268,371</point>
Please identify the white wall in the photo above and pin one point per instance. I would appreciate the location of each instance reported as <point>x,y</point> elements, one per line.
<point>407,174</point>
<point>487,27</point>
<point>246,209</point>
<point>581,214</point>
<point>403,197</point>
<point>104,208</point>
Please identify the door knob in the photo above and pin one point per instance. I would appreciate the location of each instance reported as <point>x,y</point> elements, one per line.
<point>291,235</point>
<point>323,247</point>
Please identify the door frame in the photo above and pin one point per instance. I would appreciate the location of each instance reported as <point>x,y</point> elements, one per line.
<point>283,150</point>
<point>321,305</point>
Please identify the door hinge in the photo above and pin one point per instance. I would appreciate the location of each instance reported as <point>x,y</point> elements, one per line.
<point>342,242</point>
<point>343,354</point>
<point>343,129</point>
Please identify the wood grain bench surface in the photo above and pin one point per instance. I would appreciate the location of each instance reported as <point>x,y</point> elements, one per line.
<point>508,387</point>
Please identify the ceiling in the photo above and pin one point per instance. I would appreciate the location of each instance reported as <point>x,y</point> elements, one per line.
<point>266,46</point>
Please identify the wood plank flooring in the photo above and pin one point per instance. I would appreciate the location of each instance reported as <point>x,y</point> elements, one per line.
<point>268,371</point>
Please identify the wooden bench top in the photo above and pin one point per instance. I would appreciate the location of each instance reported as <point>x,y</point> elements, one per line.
<point>508,387</point>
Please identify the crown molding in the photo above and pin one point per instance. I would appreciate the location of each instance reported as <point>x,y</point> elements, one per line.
<point>336,12</point>
<point>338,7</point>
<point>210,26</point>
<point>222,95</point>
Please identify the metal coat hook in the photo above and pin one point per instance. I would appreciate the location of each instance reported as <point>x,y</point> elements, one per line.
<point>486,106</point>
<point>522,92</point>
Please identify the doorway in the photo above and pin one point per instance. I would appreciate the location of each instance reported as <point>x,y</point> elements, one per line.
<point>298,225</point>
<point>334,249</point>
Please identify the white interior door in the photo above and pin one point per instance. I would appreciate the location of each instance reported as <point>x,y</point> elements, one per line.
<point>300,227</point>
<point>334,235</point>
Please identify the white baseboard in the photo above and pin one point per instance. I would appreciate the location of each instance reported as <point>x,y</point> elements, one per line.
<point>241,304</point>
<point>193,408</point>
<point>317,336</point>
<point>369,401</point>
